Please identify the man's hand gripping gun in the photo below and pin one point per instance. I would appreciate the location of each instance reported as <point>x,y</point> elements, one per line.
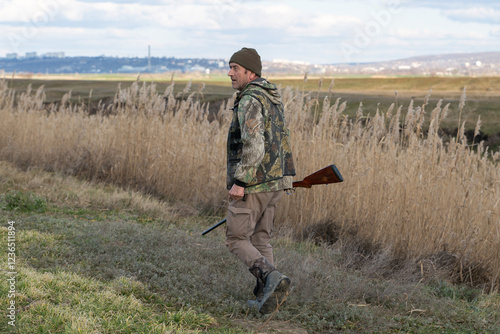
<point>326,175</point>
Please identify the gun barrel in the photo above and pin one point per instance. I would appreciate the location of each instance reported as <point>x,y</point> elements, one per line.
<point>214,227</point>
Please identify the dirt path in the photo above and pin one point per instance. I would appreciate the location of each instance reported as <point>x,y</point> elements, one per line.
<point>273,326</point>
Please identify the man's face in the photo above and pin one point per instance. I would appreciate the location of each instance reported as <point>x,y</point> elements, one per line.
<point>240,76</point>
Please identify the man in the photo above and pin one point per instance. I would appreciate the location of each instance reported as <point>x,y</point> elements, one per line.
<point>259,168</point>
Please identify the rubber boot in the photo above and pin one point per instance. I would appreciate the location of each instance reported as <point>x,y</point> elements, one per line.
<point>258,270</point>
<point>276,287</point>
<point>271,286</point>
<point>258,290</point>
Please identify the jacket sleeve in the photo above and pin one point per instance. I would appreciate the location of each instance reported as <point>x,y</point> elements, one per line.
<point>251,119</point>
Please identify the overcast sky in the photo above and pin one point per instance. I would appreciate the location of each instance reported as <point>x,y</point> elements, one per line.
<point>318,31</point>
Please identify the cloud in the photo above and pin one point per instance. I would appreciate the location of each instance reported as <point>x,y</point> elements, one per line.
<point>323,25</point>
<point>188,14</point>
<point>433,35</point>
<point>28,10</point>
<point>448,4</point>
<point>474,14</point>
<point>483,11</point>
<point>291,29</point>
<point>495,32</point>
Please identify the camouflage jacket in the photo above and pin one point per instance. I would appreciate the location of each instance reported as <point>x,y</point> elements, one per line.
<point>259,155</point>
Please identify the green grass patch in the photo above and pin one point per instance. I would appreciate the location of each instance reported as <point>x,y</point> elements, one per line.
<point>23,202</point>
<point>65,302</point>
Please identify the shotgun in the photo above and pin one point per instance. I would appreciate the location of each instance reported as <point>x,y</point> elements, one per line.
<point>326,175</point>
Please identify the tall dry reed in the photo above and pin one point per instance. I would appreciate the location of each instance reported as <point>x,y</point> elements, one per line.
<point>405,189</point>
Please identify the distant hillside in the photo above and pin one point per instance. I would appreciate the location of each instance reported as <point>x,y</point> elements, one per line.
<point>485,63</point>
<point>458,57</point>
<point>103,64</point>
<point>470,64</point>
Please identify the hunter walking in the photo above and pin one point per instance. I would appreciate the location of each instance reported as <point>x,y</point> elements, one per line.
<point>259,169</point>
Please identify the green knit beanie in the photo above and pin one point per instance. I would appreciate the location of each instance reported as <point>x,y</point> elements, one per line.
<point>249,59</point>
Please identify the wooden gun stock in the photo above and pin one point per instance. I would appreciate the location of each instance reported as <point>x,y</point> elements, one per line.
<point>326,175</point>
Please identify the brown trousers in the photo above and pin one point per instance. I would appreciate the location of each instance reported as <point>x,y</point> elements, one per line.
<point>249,227</point>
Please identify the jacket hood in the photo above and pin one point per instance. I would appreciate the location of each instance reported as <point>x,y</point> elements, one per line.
<point>269,88</point>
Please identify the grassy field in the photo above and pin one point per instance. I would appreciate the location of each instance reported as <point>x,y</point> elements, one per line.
<point>408,243</point>
<point>93,258</point>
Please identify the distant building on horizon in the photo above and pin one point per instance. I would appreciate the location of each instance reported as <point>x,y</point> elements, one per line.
<point>30,55</point>
<point>53,55</point>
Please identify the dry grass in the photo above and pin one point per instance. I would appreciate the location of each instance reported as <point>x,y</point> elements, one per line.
<point>406,191</point>
<point>70,193</point>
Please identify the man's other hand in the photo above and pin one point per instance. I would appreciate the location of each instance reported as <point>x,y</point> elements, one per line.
<point>236,192</point>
